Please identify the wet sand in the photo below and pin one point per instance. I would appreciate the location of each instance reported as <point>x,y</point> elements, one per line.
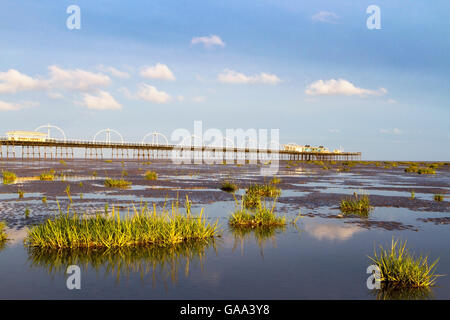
<point>304,185</point>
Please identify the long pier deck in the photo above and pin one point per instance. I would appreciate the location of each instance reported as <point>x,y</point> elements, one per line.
<point>65,149</point>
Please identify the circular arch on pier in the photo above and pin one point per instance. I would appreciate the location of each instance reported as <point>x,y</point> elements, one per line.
<point>155,135</point>
<point>108,135</point>
<point>49,126</point>
<point>191,138</point>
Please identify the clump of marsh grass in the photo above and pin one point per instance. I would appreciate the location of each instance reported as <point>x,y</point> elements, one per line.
<point>438,197</point>
<point>264,190</point>
<point>275,180</point>
<point>3,236</point>
<point>262,216</point>
<point>358,204</point>
<point>151,175</point>
<point>251,200</point>
<point>47,176</point>
<point>116,183</point>
<point>426,170</point>
<point>436,165</point>
<point>254,193</point>
<point>400,268</point>
<point>414,168</point>
<point>229,186</point>
<point>21,193</point>
<point>8,177</point>
<point>144,227</point>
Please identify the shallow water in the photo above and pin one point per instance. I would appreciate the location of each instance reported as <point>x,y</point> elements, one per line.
<point>323,256</point>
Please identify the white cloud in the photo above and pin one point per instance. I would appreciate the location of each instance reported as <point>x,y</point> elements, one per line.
<point>13,81</point>
<point>208,41</point>
<point>102,101</point>
<point>159,71</point>
<point>9,106</point>
<point>149,93</point>
<point>340,87</point>
<point>199,99</point>
<point>114,72</point>
<point>325,16</point>
<point>391,131</point>
<point>332,231</point>
<point>231,76</point>
<point>77,79</point>
<point>55,95</point>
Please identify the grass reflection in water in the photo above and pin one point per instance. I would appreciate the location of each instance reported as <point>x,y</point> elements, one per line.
<point>161,263</point>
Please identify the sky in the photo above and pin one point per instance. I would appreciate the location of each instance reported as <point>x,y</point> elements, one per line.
<point>312,69</point>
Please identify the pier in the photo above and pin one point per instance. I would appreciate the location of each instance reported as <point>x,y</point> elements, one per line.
<point>66,149</point>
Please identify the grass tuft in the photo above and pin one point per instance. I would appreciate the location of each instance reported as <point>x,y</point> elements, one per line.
<point>263,216</point>
<point>151,175</point>
<point>358,204</point>
<point>254,193</point>
<point>3,236</point>
<point>47,176</point>
<point>229,186</point>
<point>399,268</point>
<point>275,180</point>
<point>8,177</point>
<point>414,168</point>
<point>116,183</point>
<point>144,227</point>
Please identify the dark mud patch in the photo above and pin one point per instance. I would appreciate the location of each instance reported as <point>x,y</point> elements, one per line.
<point>385,225</point>
<point>436,221</point>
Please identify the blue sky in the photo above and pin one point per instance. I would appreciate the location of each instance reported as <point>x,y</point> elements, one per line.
<point>313,70</point>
